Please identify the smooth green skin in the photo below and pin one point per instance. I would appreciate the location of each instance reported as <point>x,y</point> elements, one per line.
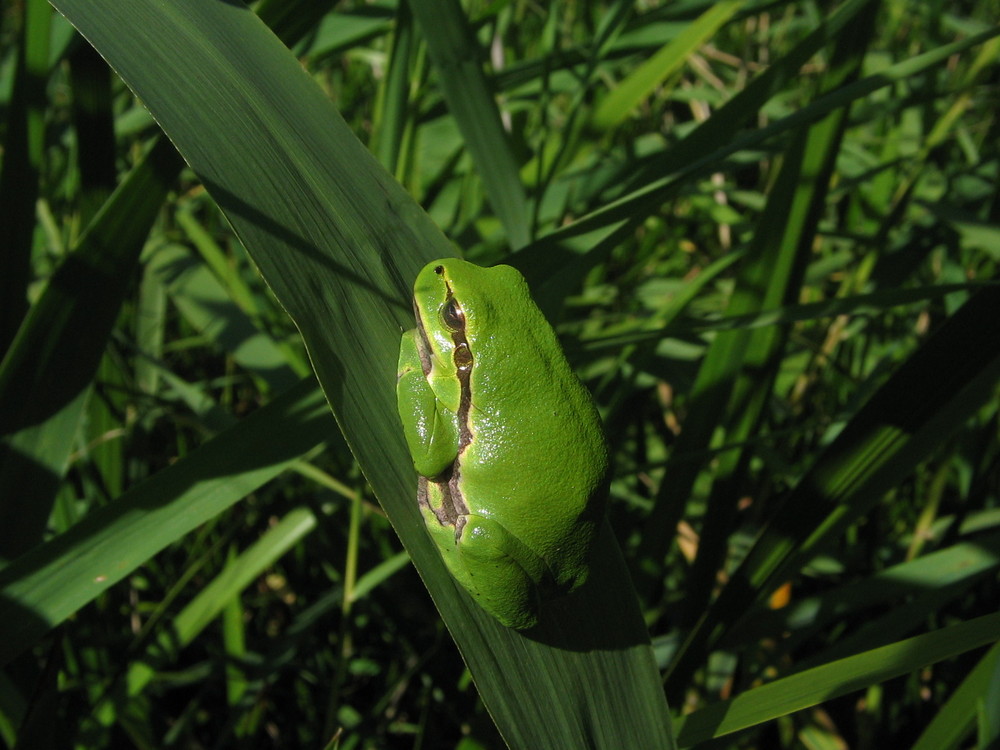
<point>511,454</point>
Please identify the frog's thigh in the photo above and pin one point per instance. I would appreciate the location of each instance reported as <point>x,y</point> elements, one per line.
<point>501,571</point>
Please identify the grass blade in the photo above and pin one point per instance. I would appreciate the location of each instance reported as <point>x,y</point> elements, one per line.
<point>45,586</point>
<point>741,366</point>
<point>453,49</point>
<point>23,145</point>
<point>607,224</point>
<point>641,82</point>
<point>927,399</point>
<point>957,717</point>
<point>946,569</point>
<point>46,375</point>
<point>813,686</point>
<point>239,573</point>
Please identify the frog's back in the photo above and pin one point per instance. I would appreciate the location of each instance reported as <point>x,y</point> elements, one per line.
<point>537,441</point>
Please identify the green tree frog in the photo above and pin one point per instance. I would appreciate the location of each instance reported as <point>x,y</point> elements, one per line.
<point>507,442</point>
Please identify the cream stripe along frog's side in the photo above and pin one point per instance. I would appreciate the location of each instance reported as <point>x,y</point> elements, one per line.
<point>508,445</point>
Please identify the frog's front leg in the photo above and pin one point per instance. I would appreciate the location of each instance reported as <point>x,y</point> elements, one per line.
<point>430,428</point>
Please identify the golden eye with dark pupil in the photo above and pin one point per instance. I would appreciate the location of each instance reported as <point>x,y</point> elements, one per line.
<point>463,357</point>
<point>452,316</point>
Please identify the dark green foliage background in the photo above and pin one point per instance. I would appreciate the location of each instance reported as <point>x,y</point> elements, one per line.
<point>768,235</point>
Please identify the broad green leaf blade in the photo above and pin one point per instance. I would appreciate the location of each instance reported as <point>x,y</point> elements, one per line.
<point>452,47</point>
<point>339,243</point>
<point>814,686</point>
<point>641,82</point>
<point>48,584</point>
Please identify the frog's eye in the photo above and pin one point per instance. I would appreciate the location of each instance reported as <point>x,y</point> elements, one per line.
<point>452,316</point>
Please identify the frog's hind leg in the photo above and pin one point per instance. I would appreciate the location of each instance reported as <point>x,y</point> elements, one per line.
<point>501,572</point>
